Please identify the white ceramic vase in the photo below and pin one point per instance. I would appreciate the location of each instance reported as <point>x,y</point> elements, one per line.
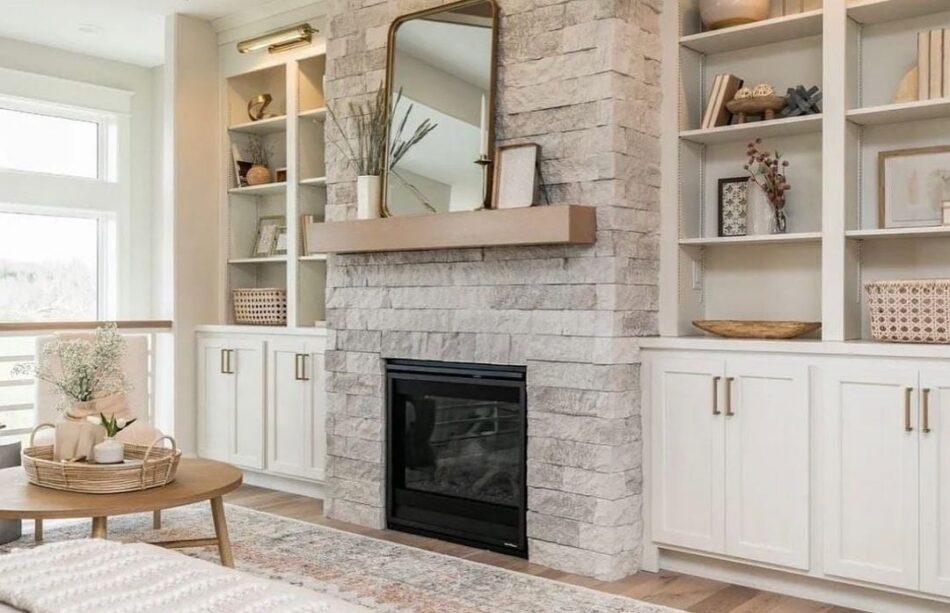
<point>761,218</point>
<point>109,451</point>
<point>718,14</point>
<point>369,196</point>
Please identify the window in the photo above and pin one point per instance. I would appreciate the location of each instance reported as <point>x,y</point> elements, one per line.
<point>64,142</point>
<point>50,269</point>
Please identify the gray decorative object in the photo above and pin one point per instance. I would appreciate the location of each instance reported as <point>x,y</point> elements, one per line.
<point>10,529</point>
<point>802,101</point>
<point>733,206</point>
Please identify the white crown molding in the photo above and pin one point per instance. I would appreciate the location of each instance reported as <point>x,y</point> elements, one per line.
<point>234,26</point>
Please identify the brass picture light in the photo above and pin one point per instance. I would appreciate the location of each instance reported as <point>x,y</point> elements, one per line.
<point>278,41</point>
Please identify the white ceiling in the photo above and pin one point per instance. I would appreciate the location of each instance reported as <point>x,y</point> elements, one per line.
<point>125,30</point>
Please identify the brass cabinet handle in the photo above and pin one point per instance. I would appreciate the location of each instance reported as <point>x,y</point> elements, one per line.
<point>729,411</point>
<point>716,410</point>
<point>925,400</point>
<point>297,375</point>
<point>224,353</point>
<point>230,365</point>
<point>907,426</point>
<point>303,367</point>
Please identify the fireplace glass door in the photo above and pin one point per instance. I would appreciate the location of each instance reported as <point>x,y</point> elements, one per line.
<point>456,452</point>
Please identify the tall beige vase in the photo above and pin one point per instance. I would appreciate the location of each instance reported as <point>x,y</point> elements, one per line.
<point>369,196</point>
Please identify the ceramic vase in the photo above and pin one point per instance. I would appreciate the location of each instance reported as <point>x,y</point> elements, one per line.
<point>369,196</point>
<point>718,14</point>
<point>109,451</point>
<point>258,175</point>
<point>761,218</point>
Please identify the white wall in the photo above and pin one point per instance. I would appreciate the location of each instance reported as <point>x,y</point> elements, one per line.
<point>135,300</point>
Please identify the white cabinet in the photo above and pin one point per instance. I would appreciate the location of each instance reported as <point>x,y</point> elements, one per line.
<point>296,422</point>
<point>871,474</point>
<point>731,458</point>
<point>262,403</point>
<point>934,428</point>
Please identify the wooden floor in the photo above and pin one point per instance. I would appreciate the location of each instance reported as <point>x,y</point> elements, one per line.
<point>664,588</point>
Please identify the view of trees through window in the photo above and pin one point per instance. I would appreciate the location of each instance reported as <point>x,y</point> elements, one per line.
<point>48,267</point>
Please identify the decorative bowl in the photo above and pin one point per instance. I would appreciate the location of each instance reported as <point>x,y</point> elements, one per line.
<point>731,328</point>
<point>717,14</point>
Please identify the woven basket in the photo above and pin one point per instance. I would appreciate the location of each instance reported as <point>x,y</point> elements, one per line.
<point>910,311</point>
<point>260,307</point>
<point>144,468</point>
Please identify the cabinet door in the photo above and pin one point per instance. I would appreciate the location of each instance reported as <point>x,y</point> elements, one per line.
<point>296,441</point>
<point>247,430</point>
<point>871,474</point>
<point>767,462</point>
<point>215,400</point>
<point>687,456</point>
<point>935,482</point>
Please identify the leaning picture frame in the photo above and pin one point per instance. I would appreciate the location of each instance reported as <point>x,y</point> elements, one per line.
<point>913,184</point>
<point>516,182</point>
<point>732,210</point>
<point>267,232</point>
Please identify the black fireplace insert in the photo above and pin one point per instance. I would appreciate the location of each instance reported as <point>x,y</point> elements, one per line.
<point>455,444</point>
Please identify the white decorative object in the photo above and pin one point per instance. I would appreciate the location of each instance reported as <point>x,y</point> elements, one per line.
<point>516,176</point>
<point>946,213</point>
<point>718,14</point>
<point>759,216</point>
<point>369,196</point>
<point>762,90</point>
<point>109,451</point>
<point>744,93</point>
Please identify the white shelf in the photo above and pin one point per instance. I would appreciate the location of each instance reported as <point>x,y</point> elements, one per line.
<point>314,257</point>
<point>881,11</point>
<point>757,129</point>
<point>925,232</point>
<point>271,259</point>
<point>314,181</point>
<point>319,114</point>
<point>898,113</point>
<point>766,32</point>
<point>797,346</point>
<point>270,125</point>
<point>266,189</point>
<point>762,239</point>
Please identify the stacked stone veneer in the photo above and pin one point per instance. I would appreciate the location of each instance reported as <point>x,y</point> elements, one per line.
<point>580,77</point>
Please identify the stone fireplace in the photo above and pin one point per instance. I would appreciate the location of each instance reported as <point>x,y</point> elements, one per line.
<point>581,78</point>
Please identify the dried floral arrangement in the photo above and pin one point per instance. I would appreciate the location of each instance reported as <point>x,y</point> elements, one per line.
<point>259,151</point>
<point>768,171</point>
<point>81,369</point>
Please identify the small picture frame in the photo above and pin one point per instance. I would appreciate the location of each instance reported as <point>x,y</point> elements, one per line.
<point>280,175</point>
<point>733,206</point>
<point>267,232</point>
<point>280,241</point>
<point>516,183</point>
<point>913,184</point>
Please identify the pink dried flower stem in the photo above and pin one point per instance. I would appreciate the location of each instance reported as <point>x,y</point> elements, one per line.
<point>767,170</point>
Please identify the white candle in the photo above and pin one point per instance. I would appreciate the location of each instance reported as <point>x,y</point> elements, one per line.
<point>483,124</point>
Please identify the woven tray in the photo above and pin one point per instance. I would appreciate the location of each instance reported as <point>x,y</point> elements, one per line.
<point>144,468</point>
<point>915,311</point>
<point>729,328</point>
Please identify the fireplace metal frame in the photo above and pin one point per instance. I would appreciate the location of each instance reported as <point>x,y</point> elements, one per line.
<point>452,372</point>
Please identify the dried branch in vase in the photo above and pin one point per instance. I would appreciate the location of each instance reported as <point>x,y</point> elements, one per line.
<point>768,171</point>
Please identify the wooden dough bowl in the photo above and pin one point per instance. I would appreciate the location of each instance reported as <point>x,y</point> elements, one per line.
<point>729,328</point>
<point>766,106</point>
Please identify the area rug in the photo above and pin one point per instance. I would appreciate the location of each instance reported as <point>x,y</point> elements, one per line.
<point>380,575</point>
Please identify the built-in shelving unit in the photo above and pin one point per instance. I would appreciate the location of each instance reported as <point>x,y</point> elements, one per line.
<point>294,139</point>
<point>857,51</point>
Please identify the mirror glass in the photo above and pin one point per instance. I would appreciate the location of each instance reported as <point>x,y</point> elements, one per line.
<point>441,87</point>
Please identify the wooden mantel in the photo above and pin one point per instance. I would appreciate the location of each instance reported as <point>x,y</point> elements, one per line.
<point>538,225</point>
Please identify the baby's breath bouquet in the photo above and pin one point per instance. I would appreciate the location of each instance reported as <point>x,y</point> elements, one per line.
<point>81,369</point>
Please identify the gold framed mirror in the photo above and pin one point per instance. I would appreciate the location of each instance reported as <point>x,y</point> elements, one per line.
<point>440,91</point>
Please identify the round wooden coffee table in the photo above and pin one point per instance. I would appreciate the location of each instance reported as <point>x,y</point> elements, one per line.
<point>196,481</point>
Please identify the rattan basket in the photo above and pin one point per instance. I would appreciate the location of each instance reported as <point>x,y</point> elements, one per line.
<point>260,307</point>
<point>910,311</point>
<point>144,468</point>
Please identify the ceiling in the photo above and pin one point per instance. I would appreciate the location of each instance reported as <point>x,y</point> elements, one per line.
<point>125,30</point>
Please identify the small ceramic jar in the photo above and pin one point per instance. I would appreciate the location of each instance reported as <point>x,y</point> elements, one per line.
<point>109,451</point>
<point>718,14</point>
<point>258,175</point>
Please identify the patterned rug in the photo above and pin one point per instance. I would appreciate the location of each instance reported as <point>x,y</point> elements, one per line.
<point>377,574</point>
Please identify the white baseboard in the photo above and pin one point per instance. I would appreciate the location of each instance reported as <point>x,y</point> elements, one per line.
<point>800,586</point>
<point>301,487</point>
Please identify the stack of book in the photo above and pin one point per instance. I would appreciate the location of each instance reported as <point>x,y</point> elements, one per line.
<point>933,64</point>
<point>723,91</point>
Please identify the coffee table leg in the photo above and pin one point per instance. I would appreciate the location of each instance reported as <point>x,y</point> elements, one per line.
<point>221,531</point>
<point>99,529</point>
<point>157,520</point>
<point>37,530</point>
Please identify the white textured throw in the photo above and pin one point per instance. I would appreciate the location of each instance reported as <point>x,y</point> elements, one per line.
<point>99,575</point>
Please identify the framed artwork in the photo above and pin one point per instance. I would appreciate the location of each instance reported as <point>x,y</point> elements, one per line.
<point>733,206</point>
<point>280,175</point>
<point>267,231</point>
<point>516,176</point>
<point>280,242</point>
<point>913,184</point>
